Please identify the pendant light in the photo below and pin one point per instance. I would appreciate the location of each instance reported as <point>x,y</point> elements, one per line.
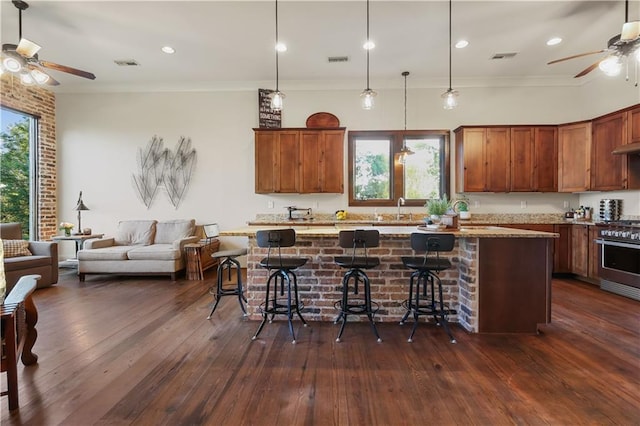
<point>450,96</point>
<point>277,97</point>
<point>404,152</point>
<point>367,95</point>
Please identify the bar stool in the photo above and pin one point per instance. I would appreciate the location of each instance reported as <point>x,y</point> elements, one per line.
<point>422,297</point>
<point>283,273</point>
<point>227,261</point>
<point>359,241</point>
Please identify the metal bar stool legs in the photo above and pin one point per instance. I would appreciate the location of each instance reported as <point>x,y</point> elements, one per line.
<point>228,264</point>
<point>356,306</point>
<point>273,306</point>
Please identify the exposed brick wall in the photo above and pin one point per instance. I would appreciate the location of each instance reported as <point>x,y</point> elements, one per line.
<point>38,101</point>
<point>320,280</point>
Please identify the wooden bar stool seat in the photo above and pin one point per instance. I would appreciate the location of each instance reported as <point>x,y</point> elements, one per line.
<point>227,262</point>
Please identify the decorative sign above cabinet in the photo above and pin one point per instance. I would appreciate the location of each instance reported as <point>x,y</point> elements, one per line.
<point>268,118</point>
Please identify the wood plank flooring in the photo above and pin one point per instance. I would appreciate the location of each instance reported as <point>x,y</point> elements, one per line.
<point>139,351</point>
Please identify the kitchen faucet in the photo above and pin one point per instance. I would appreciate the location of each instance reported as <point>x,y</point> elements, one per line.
<point>400,203</point>
<point>296,209</point>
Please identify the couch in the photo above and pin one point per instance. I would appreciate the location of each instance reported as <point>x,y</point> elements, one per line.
<point>139,247</point>
<point>23,257</point>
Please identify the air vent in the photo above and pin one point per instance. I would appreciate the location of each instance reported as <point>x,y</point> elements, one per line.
<point>126,62</point>
<point>504,55</point>
<point>338,59</point>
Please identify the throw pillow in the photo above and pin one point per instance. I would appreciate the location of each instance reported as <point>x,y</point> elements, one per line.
<point>135,232</point>
<point>169,231</point>
<point>15,248</point>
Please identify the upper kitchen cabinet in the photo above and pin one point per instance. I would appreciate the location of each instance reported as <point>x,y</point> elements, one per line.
<point>483,159</point>
<point>322,159</point>
<point>534,162</point>
<point>633,136</point>
<point>608,171</point>
<point>300,160</point>
<point>574,157</point>
<point>277,161</point>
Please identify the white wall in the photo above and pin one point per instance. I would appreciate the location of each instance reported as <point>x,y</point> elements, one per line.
<point>99,135</point>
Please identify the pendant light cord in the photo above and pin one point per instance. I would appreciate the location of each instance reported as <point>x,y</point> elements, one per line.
<point>450,45</point>
<point>405,74</point>
<point>277,40</point>
<point>368,88</point>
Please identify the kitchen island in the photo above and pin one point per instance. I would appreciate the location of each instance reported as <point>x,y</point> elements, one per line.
<point>500,281</point>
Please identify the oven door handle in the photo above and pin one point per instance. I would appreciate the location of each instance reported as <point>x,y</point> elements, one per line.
<point>617,244</point>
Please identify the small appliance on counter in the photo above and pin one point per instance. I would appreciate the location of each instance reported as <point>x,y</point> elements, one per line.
<point>610,210</point>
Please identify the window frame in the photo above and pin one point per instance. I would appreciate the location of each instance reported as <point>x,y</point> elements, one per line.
<point>396,186</point>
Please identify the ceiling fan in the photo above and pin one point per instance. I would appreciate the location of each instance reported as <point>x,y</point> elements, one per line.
<point>22,59</point>
<point>621,47</point>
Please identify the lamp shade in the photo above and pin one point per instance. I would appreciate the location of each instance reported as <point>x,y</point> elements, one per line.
<point>81,206</point>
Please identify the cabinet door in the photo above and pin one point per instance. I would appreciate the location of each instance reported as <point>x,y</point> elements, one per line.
<point>607,169</point>
<point>310,161</point>
<point>562,249</point>
<point>522,159</point>
<point>633,161</point>
<point>546,159</point>
<point>265,162</point>
<point>633,125</point>
<point>288,164</point>
<point>332,161</point>
<point>593,252</point>
<point>574,157</point>
<point>471,161</point>
<point>498,155</point>
<point>580,250</point>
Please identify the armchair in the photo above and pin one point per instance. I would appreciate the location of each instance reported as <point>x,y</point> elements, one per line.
<point>42,260</point>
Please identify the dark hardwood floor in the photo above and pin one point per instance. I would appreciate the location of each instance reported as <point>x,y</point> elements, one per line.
<point>119,351</point>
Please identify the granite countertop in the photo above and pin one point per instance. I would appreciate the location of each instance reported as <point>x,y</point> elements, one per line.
<point>398,231</point>
<point>415,220</point>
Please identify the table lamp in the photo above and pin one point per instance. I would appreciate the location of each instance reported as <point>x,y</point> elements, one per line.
<point>80,207</point>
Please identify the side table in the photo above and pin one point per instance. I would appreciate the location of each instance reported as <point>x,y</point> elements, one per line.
<point>199,257</point>
<point>79,240</point>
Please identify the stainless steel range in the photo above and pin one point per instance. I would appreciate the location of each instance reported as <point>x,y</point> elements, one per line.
<point>619,257</point>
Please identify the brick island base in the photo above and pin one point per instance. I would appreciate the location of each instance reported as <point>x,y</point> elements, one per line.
<point>500,281</point>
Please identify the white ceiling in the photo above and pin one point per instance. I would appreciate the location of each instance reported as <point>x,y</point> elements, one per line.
<point>229,44</point>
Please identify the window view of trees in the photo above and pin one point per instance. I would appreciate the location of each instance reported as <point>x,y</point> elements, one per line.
<point>14,174</point>
<point>380,172</point>
<point>372,173</point>
<point>422,169</point>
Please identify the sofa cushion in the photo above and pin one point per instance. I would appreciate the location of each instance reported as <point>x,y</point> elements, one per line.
<point>135,232</point>
<point>106,253</point>
<point>168,231</point>
<point>15,248</point>
<point>154,252</point>
<point>24,262</point>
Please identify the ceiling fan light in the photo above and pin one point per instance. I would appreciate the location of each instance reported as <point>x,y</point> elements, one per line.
<point>630,31</point>
<point>366,98</point>
<point>277,100</point>
<point>27,48</point>
<point>611,66</point>
<point>26,78</point>
<point>11,64</point>
<point>450,99</point>
<point>39,76</point>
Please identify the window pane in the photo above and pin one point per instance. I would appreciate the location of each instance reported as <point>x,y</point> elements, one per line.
<point>372,169</point>
<point>423,169</point>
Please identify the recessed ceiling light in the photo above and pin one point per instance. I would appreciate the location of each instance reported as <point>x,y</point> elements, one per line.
<point>553,41</point>
<point>168,49</point>
<point>462,44</point>
<point>368,45</point>
<point>281,47</point>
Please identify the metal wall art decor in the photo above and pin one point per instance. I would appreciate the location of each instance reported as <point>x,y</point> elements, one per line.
<point>159,167</point>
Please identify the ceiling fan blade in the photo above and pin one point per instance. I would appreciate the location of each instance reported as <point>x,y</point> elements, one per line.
<point>630,31</point>
<point>588,69</point>
<point>575,56</point>
<point>67,69</point>
<point>27,48</point>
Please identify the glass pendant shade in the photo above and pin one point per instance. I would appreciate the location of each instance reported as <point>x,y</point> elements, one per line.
<point>39,76</point>
<point>450,99</point>
<point>277,100</point>
<point>26,78</point>
<point>611,66</point>
<point>367,98</point>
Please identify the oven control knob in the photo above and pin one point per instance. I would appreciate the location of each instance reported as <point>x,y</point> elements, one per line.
<point>635,236</point>
<point>626,234</point>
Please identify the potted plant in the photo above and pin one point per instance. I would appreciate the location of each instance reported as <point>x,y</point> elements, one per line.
<point>462,207</point>
<point>437,207</point>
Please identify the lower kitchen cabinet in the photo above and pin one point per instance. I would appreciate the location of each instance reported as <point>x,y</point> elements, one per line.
<point>584,252</point>
<point>562,249</point>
